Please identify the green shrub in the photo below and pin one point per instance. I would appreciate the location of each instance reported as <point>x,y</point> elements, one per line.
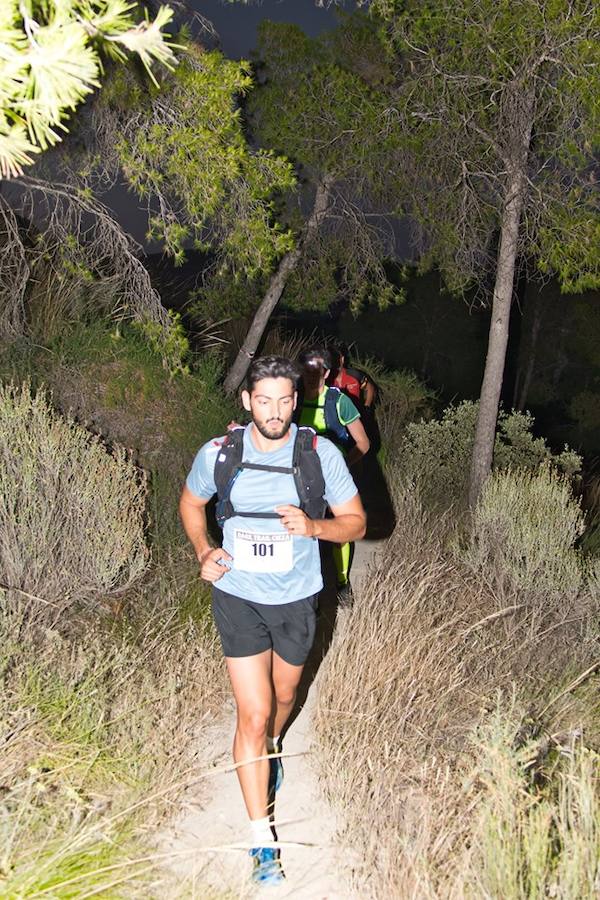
<point>71,511</point>
<point>113,380</point>
<point>524,529</point>
<point>533,833</point>
<point>402,398</point>
<point>436,455</point>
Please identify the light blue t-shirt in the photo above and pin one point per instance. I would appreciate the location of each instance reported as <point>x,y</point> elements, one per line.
<point>257,545</point>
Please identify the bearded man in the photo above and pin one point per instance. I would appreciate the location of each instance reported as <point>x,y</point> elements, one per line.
<point>266,576</point>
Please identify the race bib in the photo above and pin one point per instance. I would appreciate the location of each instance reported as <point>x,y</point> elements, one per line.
<point>262,552</point>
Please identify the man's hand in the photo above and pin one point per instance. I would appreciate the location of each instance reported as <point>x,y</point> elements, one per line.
<point>295,521</point>
<point>212,565</point>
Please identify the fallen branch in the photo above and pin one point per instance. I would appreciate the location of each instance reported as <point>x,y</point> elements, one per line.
<point>571,687</point>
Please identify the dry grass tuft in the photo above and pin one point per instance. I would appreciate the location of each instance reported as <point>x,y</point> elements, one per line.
<point>99,726</point>
<point>418,664</point>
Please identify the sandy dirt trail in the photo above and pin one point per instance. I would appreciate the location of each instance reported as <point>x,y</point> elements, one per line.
<point>215,817</point>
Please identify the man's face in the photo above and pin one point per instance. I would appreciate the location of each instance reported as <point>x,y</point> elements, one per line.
<point>271,404</point>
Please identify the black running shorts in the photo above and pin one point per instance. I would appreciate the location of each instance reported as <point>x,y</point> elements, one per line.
<point>247,628</point>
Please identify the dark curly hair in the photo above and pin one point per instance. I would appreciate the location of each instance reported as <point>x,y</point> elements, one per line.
<point>271,367</point>
<point>316,356</point>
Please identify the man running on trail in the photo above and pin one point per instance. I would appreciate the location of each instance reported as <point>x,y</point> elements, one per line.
<point>267,575</point>
<point>332,414</point>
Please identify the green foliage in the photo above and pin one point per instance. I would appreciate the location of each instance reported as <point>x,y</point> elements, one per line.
<point>524,529</point>
<point>470,71</point>
<point>188,147</point>
<point>517,447</point>
<point>402,398</point>
<point>330,272</point>
<point>116,382</point>
<point>223,296</point>
<point>568,245</point>
<point>50,63</point>
<point>171,343</point>
<point>315,285</point>
<point>317,109</point>
<point>435,454</point>
<point>324,104</point>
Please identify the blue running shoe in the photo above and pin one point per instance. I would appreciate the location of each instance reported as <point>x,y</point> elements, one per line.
<point>267,866</point>
<point>275,774</point>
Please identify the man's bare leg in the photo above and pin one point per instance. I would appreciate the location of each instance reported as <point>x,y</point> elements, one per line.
<point>253,691</point>
<point>286,679</point>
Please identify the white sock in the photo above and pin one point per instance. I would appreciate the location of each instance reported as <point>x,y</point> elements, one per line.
<point>273,744</point>
<point>261,832</point>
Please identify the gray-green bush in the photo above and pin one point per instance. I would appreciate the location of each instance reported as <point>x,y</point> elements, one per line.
<point>71,510</point>
<point>435,455</point>
<point>524,529</point>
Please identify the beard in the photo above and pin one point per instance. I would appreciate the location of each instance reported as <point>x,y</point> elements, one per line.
<point>274,429</point>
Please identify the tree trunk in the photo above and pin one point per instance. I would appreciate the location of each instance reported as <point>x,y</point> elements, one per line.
<point>523,102</point>
<point>485,431</point>
<point>237,372</point>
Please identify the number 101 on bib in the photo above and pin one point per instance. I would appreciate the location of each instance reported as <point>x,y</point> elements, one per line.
<point>256,552</point>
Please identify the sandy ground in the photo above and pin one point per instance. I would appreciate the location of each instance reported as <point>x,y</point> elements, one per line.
<point>214,816</point>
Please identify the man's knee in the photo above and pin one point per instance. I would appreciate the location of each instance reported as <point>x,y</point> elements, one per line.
<point>254,723</point>
<point>285,694</point>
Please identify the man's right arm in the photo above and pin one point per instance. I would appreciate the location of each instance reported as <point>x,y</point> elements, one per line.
<point>192,510</point>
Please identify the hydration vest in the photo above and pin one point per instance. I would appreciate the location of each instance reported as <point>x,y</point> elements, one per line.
<point>306,469</point>
<point>334,430</point>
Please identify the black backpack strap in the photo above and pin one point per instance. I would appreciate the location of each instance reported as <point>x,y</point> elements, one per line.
<point>306,469</point>
<point>227,468</point>
<point>308,473</point>
<point>337,432</point>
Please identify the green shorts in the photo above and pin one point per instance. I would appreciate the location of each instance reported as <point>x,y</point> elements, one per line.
<point>247,628</point>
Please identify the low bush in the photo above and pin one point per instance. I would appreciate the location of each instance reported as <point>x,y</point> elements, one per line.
<point>402,399</point>
<point>436,454</point>
<point>71,510</point>
<point>523,532</point>
<point>114,382</point>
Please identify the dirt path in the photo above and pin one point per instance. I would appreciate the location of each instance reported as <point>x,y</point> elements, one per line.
<point>306,826</point>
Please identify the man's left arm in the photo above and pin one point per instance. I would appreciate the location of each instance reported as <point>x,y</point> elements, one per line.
<point>357,432</point>
<point>349,416</point>
<point>349,522</point>
<point>368,390</point>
